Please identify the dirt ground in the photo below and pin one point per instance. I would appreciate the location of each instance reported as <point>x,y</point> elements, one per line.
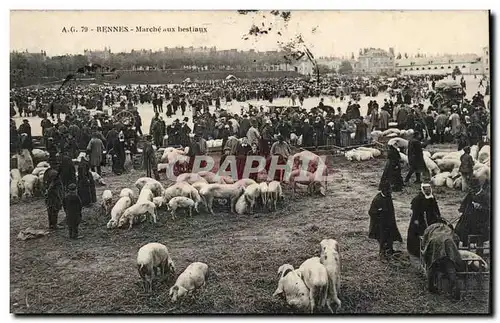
<point>97,274</point>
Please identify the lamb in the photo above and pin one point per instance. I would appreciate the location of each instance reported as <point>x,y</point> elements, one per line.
<point>150,257</point>
<point>330,258</point>
<point>181,202</point>
<point>252,192</point>
<point>106,202</point>
<point>315,277</point>
<point>293,287</point>
<point>145,195</point>
<point>133,213</point>
<point>275,193</point>
<point>191,279</point>
<point>127,192</point>
<point>117,211</point>
<point>227,191</point>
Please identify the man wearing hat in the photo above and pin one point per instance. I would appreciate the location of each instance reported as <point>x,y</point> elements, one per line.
<point>73,208</point>
<point>26,128</point>
<point>466,168</point>
<point>184,133</point>
<point>149,159</point>
<point>383,225</point>
<point>415,158</point>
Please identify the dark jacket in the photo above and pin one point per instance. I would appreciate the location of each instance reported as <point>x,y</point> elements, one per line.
<point>424,213</point>
<point>383,220</point>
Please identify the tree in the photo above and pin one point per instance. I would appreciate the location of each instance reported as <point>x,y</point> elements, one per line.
<point>345,68</point>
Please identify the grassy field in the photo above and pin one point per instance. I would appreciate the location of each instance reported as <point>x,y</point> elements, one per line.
<point>97,274</point>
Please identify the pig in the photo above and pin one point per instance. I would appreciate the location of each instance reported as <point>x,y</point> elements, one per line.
<point>293,287</point>
<point>227,191</point>
<point>133,213</point>
<point>252,193</point>
<point>190,178</point>
<point>30,185</point>
<point>155,187</point>
<point>275,193</point>
<point>150,257</point>
<point>106,202</point>
<point>181,202</point>
<point>191,279</point>
<point>127,192</point>
<point>314,185</point>
<point>315,277</point>
<point>330,258</point>
<point>117,211</point>
<point>145,195</point>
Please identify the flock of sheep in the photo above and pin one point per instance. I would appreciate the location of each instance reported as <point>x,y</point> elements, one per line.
<point>314,285</point>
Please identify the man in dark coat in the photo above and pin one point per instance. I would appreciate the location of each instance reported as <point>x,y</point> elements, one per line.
<point>415,158</point>
<point>425,212</point>
<point>383,225</point>
<point>73,209</point>
<point>138,123</point>
<point>184,133</point>
<point>85,183</point>
<point>149,159</point>
<point>392,170</point>
<point>67,170</point>
<point>26,128</point>
<point>53,197</point>
<point>159,129</point>
<point>466,168</point>
<point>52,150</point>
<point>244,126</point>
<point>476,213</point>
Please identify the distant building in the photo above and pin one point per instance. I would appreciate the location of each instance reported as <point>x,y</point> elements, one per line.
<point>466,63</point>
<point>330,62</point>
<point>98,54</point>
<point>375,61</point>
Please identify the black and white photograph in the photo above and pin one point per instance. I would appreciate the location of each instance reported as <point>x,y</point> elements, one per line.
<point>276,162</point>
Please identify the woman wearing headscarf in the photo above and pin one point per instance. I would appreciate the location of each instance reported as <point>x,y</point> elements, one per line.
<point>392,170</point>
<point>425,212</point>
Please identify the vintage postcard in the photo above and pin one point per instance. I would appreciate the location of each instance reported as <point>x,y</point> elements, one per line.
<point>250,162</point>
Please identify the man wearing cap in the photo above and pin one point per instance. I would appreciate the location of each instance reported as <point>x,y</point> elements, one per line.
<point>425,212</point>
<point>149,159</point>
<point>383,225</point>
<point>73,208</point>
<point>415,158</point>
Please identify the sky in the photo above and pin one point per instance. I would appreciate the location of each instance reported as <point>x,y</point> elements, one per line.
<point>326,33</point>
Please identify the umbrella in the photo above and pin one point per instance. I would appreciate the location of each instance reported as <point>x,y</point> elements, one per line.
<point>447,85</point>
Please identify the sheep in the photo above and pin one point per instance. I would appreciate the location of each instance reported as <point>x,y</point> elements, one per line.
<point>143,180</point>
<point>106,202</point>
<point>190,178</point>
<point>330,258</point>
<point>400,143</point>
<point>29,184</point>
<point>375,152</point>
<point>228,191</point>
<point>150,257</point>
<point>315,277</point>
<point>159,201</point>
<point>43,164</point>
<point>245,182</point>
<point>264,193</point>
<point>440,179</point>
<point>482,174</point>
<point>275,193</point>
<point>431,165</point>
<point>15,174</point>
<point>293,287</point>
<point>117,211</point>
<point>306,178</point>
<point>38,170</point>
<point>484,154</point>
<point>131,215</point>
<point>252,193</point>
<point>127,192</point>
<point>145,195</point>
<point>178,189</point>
<point>182,202</point>
<point>191,279</point>
<point>454,155</point>
<point>438,155</point>
<point>448,164</point>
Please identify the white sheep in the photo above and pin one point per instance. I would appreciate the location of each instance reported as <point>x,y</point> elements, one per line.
<point>39,154</point>
<point>454,155</point>
<point>133,214</point>
<point>182,202</point>
<point>106,202</point>
<point>275,193</point>
<point>252,193</point>
<point>29,183</point>
<point>293,287</point>
<point>150,257</point>
<point>484,154</point>
<point>315,276</point>
<point>117,211</point>
<point>330,258</point>
<point>375,152</point>
<point>191,279</point>
<point>127,192</point>
<point>399,143</point>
